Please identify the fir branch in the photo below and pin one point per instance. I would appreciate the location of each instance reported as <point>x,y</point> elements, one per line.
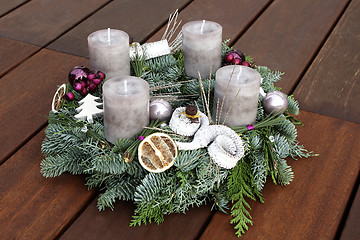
<point>220,199</point>
<point>122,188</point>
<point>288,130</point>
<point>285,173</point>
<point>138,64</point>
<point>188,160</point>
<point>145,213</point>
<point>269,78</point>
<point>259,169</point>
<point>54,166</point>
<point>108,163</point>
<point>281,146</point>
<point>96,179</point>
<point>152,199</point>
<point>225,48</point>
<point>238,188</point>
<point>122,144</point>
<point>57,139</point>
<point>269,121</point>
<point>150,187</point>
<point>298,150</point>
<point>293,105</point>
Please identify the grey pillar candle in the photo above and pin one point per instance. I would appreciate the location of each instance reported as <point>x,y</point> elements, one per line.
<point>201,44</point>
<point>126,107</point>
<point>109,52</point>
<point>243,107</point>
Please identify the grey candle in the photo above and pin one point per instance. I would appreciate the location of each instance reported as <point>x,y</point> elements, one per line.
<point>243,104</point>
<point>201,46</point>
<point>126,107</point>
<point>109,52</point>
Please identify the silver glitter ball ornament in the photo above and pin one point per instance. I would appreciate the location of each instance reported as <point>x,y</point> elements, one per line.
<point>160,110</point>
<point>275,102</point>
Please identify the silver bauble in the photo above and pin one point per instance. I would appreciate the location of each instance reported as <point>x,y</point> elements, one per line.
<point>275,102</point>
<point>160,109</point>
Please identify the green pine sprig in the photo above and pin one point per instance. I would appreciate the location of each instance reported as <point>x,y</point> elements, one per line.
<point>239,188</point>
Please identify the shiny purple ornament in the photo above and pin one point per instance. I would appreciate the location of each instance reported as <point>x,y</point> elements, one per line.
<point>78,73</point>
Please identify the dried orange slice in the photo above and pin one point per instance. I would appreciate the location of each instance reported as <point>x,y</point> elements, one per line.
<point>58,98</point>
<point>157,152</point>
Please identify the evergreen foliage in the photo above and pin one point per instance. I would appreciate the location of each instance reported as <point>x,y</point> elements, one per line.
<point>239,187</point>
<point>78,147</point>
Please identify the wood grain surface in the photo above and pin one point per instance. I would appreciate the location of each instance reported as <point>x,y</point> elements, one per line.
<point>232,16</point>
<point>311,207</point>
<point>139,23</point>
<point>13,53</point>
<point>108,224</point>
<point>40,21</point>
<point>332,84</point>
<point>31,206</point>
<point>288,34</point>
<point>316,44</point>
<point>351,230</point>
<point>26,95</point>
<point>6,5</point>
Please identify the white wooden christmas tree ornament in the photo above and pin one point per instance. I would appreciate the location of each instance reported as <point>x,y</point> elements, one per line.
<point>88,108</point>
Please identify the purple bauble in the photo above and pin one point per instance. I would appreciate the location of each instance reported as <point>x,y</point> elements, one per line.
<point>78,73</point>
<point>160,109</point>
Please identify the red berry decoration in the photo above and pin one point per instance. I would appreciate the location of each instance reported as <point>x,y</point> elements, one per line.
<point>69,96</point>
<point>78,73</point>
<point>91,76</point>
<point>101,74</point>
<point>84,81</point>
<point>246,64</point>
<point>84,92</point>
<point>92,88</point>
<point>234,57</point>
<point>236,61</point>
<point>97,81</point>
<point>229,58</point>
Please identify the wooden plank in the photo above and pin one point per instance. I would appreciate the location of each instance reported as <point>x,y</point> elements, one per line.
<point>40,21</point>
<point>6,6</point>
<point>311,207</point>
<point>33,207</point>
<point>27,92</point>
<point>351,230</point>
<point>138,18</point>
<point>332,84</point>
<point>234,16</point>
<point>108,224</point>
<point>13,53</point>
<point>288,34</point>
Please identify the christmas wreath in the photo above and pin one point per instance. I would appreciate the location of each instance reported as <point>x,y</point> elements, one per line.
<point>78,146</point>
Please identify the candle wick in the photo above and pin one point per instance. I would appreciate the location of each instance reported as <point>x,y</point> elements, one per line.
<point>126,89</point>
<point>239,73</point>
<point>108,36</point>
<point>202,27</point>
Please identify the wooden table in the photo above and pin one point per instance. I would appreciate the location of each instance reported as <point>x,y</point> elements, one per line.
<point>316,43</point>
